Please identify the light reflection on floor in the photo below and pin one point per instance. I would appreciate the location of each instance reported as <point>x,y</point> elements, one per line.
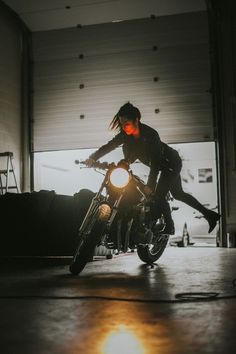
<point>127,328</point>
<point>46,310</point>
<point>122,340</point>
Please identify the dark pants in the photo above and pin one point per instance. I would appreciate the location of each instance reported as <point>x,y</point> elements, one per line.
<point>171,181</point>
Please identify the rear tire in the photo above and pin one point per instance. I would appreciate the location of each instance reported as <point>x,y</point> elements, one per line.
<point>150,253</point>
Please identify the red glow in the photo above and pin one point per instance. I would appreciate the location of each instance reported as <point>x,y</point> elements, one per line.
<point>131,129</point>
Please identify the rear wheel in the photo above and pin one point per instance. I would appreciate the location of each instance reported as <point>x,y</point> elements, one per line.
<point>150,253</point>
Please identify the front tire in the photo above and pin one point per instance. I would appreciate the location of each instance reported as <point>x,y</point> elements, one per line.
<point>149,253</point>
<point>85,249</point>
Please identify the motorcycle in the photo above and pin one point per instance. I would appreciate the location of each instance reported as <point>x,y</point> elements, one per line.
<point>120,218</point>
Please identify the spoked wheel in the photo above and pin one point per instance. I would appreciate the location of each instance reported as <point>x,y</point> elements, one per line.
<point>85,249</point>
<point>88,240</point>
<point>150,253</point>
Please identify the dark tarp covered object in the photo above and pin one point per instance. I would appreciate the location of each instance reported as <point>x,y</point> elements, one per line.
<point>41,223</point>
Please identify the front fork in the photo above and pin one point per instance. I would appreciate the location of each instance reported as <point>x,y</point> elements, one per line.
<point>94,206</point>
<point>87,219</point>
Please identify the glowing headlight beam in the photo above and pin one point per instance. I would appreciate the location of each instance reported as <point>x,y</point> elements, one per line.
<point>119,177</point>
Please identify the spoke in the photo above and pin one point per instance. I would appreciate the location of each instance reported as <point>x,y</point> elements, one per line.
<point>158,245</point>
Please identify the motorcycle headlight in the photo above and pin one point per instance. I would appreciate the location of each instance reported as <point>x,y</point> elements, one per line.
<point>119,177</point>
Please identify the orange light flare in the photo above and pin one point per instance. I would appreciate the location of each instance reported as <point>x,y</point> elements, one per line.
<point>122,340</point>
<point>130,127</point>
<point>123,327</point>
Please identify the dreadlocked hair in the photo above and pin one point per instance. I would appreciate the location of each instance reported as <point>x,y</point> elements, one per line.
<point>127,111</point>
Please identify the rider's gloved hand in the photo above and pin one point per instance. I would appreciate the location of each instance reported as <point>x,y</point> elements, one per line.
<point>89,162</point>
<point>123,163</point>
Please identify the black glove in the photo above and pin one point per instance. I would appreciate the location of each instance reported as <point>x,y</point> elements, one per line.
<point>123,163</point>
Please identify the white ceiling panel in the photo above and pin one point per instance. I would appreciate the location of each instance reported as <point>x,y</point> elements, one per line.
<point>55,14</point>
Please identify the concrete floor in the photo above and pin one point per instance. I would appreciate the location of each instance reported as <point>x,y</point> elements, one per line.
<point>44,309</point>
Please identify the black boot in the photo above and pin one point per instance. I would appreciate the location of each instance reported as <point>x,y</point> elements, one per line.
<point>212,217</point>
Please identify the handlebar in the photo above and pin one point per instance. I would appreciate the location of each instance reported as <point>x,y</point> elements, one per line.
<point>96,164</point>
<point>105,166</point>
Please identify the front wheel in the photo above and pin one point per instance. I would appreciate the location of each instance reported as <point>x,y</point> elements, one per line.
<point>149,253</point>
<point>85,249</point>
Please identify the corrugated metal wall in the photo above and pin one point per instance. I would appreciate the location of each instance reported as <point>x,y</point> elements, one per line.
<point>223,47</point>
<point>10,88</point>
<point>83,75</point>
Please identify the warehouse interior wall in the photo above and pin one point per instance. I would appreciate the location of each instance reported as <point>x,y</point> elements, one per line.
<point>222,30</point>
<point>14,70</point>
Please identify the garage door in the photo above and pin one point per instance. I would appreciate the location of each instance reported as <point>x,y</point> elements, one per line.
<point>83,75</point>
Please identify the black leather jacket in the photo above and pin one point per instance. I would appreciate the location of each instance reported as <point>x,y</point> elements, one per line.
<point>148,148</point>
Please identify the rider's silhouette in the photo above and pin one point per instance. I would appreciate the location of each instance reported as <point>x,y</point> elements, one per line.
<point>139,141</point>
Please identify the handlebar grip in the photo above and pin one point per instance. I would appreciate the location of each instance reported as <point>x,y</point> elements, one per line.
<point>96,164</point>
